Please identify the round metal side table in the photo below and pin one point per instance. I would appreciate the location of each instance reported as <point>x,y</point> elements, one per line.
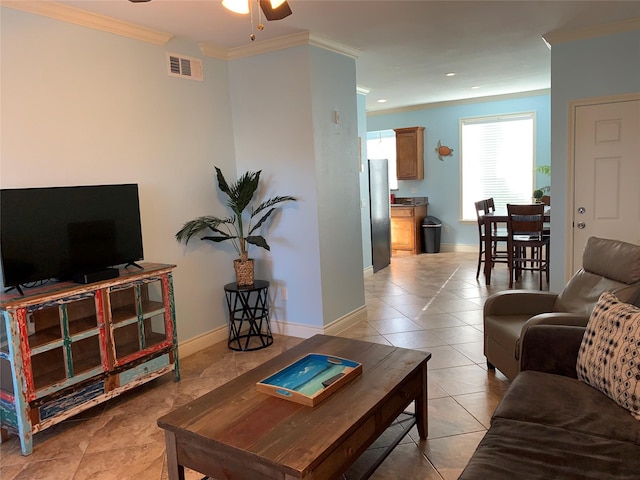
<point>248,305</point>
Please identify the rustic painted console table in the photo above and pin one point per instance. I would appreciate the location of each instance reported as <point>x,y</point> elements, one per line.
<point>66,347</point>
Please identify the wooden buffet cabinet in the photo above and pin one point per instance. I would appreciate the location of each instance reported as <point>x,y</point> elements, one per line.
<point>67,347</point>
<point>410,153</point>
<point>406,228</point>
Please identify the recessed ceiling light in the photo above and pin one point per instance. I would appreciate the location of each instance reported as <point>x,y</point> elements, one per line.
<point>382,100</point>
<point>475,87</point>
<point>451,74</point>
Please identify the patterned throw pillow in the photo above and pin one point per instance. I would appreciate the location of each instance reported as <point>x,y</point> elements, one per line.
<point>609,356</point>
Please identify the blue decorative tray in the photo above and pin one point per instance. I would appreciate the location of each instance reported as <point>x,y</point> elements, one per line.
<point>311,379</point>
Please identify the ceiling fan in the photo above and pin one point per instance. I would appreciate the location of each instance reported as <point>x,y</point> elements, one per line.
<point>272,9</point>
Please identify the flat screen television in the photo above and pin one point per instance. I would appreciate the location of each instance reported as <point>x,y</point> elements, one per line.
<point>62,232</point>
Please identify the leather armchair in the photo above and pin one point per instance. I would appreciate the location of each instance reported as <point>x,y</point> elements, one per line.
<point>607,265</point>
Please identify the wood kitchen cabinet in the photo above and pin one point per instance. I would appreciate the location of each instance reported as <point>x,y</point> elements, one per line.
<point>410,153</point>
<point>406,228</point>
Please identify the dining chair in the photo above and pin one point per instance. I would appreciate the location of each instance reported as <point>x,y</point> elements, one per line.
<point>546,199</point>
<point>527,244</point>
<point>498,232</point>
<point>497,256</point>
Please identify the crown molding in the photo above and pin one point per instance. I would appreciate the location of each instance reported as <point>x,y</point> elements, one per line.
<point>333,46</point>
<point>209,50</point>
<point>83,18</point>
<point>78,16</point>
<point>280,43</point>
<point>592,32</point>
<point>464,101</point>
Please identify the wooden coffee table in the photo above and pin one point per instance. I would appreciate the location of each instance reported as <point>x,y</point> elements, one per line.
<point>236,432</point>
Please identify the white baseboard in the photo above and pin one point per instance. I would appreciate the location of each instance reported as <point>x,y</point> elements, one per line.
<point>333,328</point>
<point>453,247</point>
<point>290,329</point>
<point>195,344</point>
<point>278,327</point>
<point>367,272</point>
<point>346,321</point>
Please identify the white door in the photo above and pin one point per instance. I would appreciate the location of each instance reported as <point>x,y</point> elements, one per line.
<point>606,174</point>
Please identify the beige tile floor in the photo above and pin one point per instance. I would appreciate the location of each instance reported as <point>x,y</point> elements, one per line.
<point>429,301</point>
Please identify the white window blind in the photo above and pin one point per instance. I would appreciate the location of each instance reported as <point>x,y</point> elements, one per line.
<point>497,160</point>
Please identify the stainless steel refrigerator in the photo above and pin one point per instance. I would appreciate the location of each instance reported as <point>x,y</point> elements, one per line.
<point>380,213</point>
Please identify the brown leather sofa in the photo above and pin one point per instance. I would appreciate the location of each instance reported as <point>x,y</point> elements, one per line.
<point>607,265</point>
<point>550,425</point>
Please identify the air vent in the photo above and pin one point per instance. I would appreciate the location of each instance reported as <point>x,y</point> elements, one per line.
<point>184,67</point>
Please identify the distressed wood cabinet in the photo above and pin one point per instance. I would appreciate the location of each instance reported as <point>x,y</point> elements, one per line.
<point>66,347</point>
<point>410,153</point>
<point>406,228</point>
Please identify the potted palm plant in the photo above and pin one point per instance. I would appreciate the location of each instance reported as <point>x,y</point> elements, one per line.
<point>240,228</point>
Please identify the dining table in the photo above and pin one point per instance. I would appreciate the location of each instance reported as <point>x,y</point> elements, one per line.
<point>493,218</point>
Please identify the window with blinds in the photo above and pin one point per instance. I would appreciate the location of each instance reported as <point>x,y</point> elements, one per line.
<point>497,158</point>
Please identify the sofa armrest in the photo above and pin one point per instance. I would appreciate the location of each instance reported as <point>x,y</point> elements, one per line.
<point>519,302</point>
<point>551,349</point>
<point>553,318</point>
<point>558,318</point>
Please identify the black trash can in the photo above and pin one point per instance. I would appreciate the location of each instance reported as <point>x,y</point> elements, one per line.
<point>431,231</point>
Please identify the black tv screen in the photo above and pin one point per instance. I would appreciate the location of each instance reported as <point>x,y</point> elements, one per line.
<point>60,232</point>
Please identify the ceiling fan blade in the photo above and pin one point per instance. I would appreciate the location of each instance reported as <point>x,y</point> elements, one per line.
<point>271,13</point>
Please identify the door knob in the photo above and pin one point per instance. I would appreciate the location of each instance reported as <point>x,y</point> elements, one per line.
<point>581,210</point>
<point>581,225</point>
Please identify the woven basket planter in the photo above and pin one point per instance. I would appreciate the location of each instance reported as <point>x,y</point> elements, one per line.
<point>244,271</point>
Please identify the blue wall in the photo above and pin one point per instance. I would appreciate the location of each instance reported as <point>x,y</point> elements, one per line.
<point>592,68</point>
<point>365,210</point>
<point>442,178</point>
<point>109,113</point>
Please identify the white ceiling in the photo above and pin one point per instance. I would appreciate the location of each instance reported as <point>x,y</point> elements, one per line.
<point>407,46</point>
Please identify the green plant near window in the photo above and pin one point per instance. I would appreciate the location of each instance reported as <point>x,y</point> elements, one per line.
<point>240,228</point>
<point>544,169</point>
<point>538,193</point>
